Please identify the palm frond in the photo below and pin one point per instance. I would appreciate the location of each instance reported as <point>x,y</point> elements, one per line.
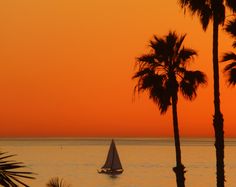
<point>183,3</point>
<point>234,44</point>
<point>143,72</point>
<point>171,44</point>
<point>231,4</point>
<point>205,16</point>
<point>231,27</point>
<point>56,182</point>
<point>190,82</point>
<point>186,54</point>
<point>149,82</point>
<point>163,100</point>
<point>230,69</point>
<point>232,76</point>
<point>147,60</point>
<point>159,49</point>
<point>196,77</point>
<point>179,43</point>
<point>187,89</point>
<point>8,175</point>
<point>221,13</point>
<point>194,6</point>
<point>230,66</point>
<point>161,96</point>
<point>228,56</point>
<point>153,83</point>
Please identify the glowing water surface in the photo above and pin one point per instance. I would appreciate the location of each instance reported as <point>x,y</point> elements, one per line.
<point>146,162</point>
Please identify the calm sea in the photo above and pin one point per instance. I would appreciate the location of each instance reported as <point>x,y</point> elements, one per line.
<point>146,162</point>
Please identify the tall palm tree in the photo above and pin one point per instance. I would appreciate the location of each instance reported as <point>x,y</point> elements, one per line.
<point>213,10</point>
<point>162,73</point>
<point>230,69</point>
<point>9,176</point>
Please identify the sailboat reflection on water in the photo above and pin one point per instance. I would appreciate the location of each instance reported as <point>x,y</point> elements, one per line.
<point>112,165</point>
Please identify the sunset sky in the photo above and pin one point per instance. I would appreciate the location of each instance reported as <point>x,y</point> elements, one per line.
<point>66,68</point>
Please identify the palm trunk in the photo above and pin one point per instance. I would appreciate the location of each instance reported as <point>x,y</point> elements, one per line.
<point>218,121</point>
<point>179,169</point>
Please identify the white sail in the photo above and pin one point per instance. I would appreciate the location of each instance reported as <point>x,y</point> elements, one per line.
<point>113,160</point>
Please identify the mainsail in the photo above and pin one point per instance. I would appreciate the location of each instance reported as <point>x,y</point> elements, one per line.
<point>113,160</point>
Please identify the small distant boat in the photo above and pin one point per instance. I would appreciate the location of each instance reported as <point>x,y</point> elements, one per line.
<point>112,165</point>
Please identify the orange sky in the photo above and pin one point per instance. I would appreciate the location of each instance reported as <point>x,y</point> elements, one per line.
<point>66,68</point>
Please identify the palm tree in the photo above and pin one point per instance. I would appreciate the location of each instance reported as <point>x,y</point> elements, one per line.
<point>9,177</point>
<point>230,57</point>
<point>162,73</point>
<point>213,10</point>
<point>56,182</point>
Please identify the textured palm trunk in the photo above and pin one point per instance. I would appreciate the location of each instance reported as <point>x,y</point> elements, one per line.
<point>179,169</point>
<point>218,121</point>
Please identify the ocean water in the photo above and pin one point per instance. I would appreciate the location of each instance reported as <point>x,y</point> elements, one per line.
<point>146,162</point>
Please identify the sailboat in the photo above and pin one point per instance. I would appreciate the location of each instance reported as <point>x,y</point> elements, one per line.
<point>112,165</point>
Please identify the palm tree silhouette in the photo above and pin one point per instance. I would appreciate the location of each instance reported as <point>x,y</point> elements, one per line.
<point>56,182</point>
<point>214,10</point>
<point>9,176</point>
<point>230,69</point>
<point>162,73</point>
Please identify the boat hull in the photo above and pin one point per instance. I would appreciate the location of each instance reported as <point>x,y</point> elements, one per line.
<point>111,172</point>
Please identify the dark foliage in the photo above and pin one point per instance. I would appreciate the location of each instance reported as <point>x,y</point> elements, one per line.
<point>10,173</point>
